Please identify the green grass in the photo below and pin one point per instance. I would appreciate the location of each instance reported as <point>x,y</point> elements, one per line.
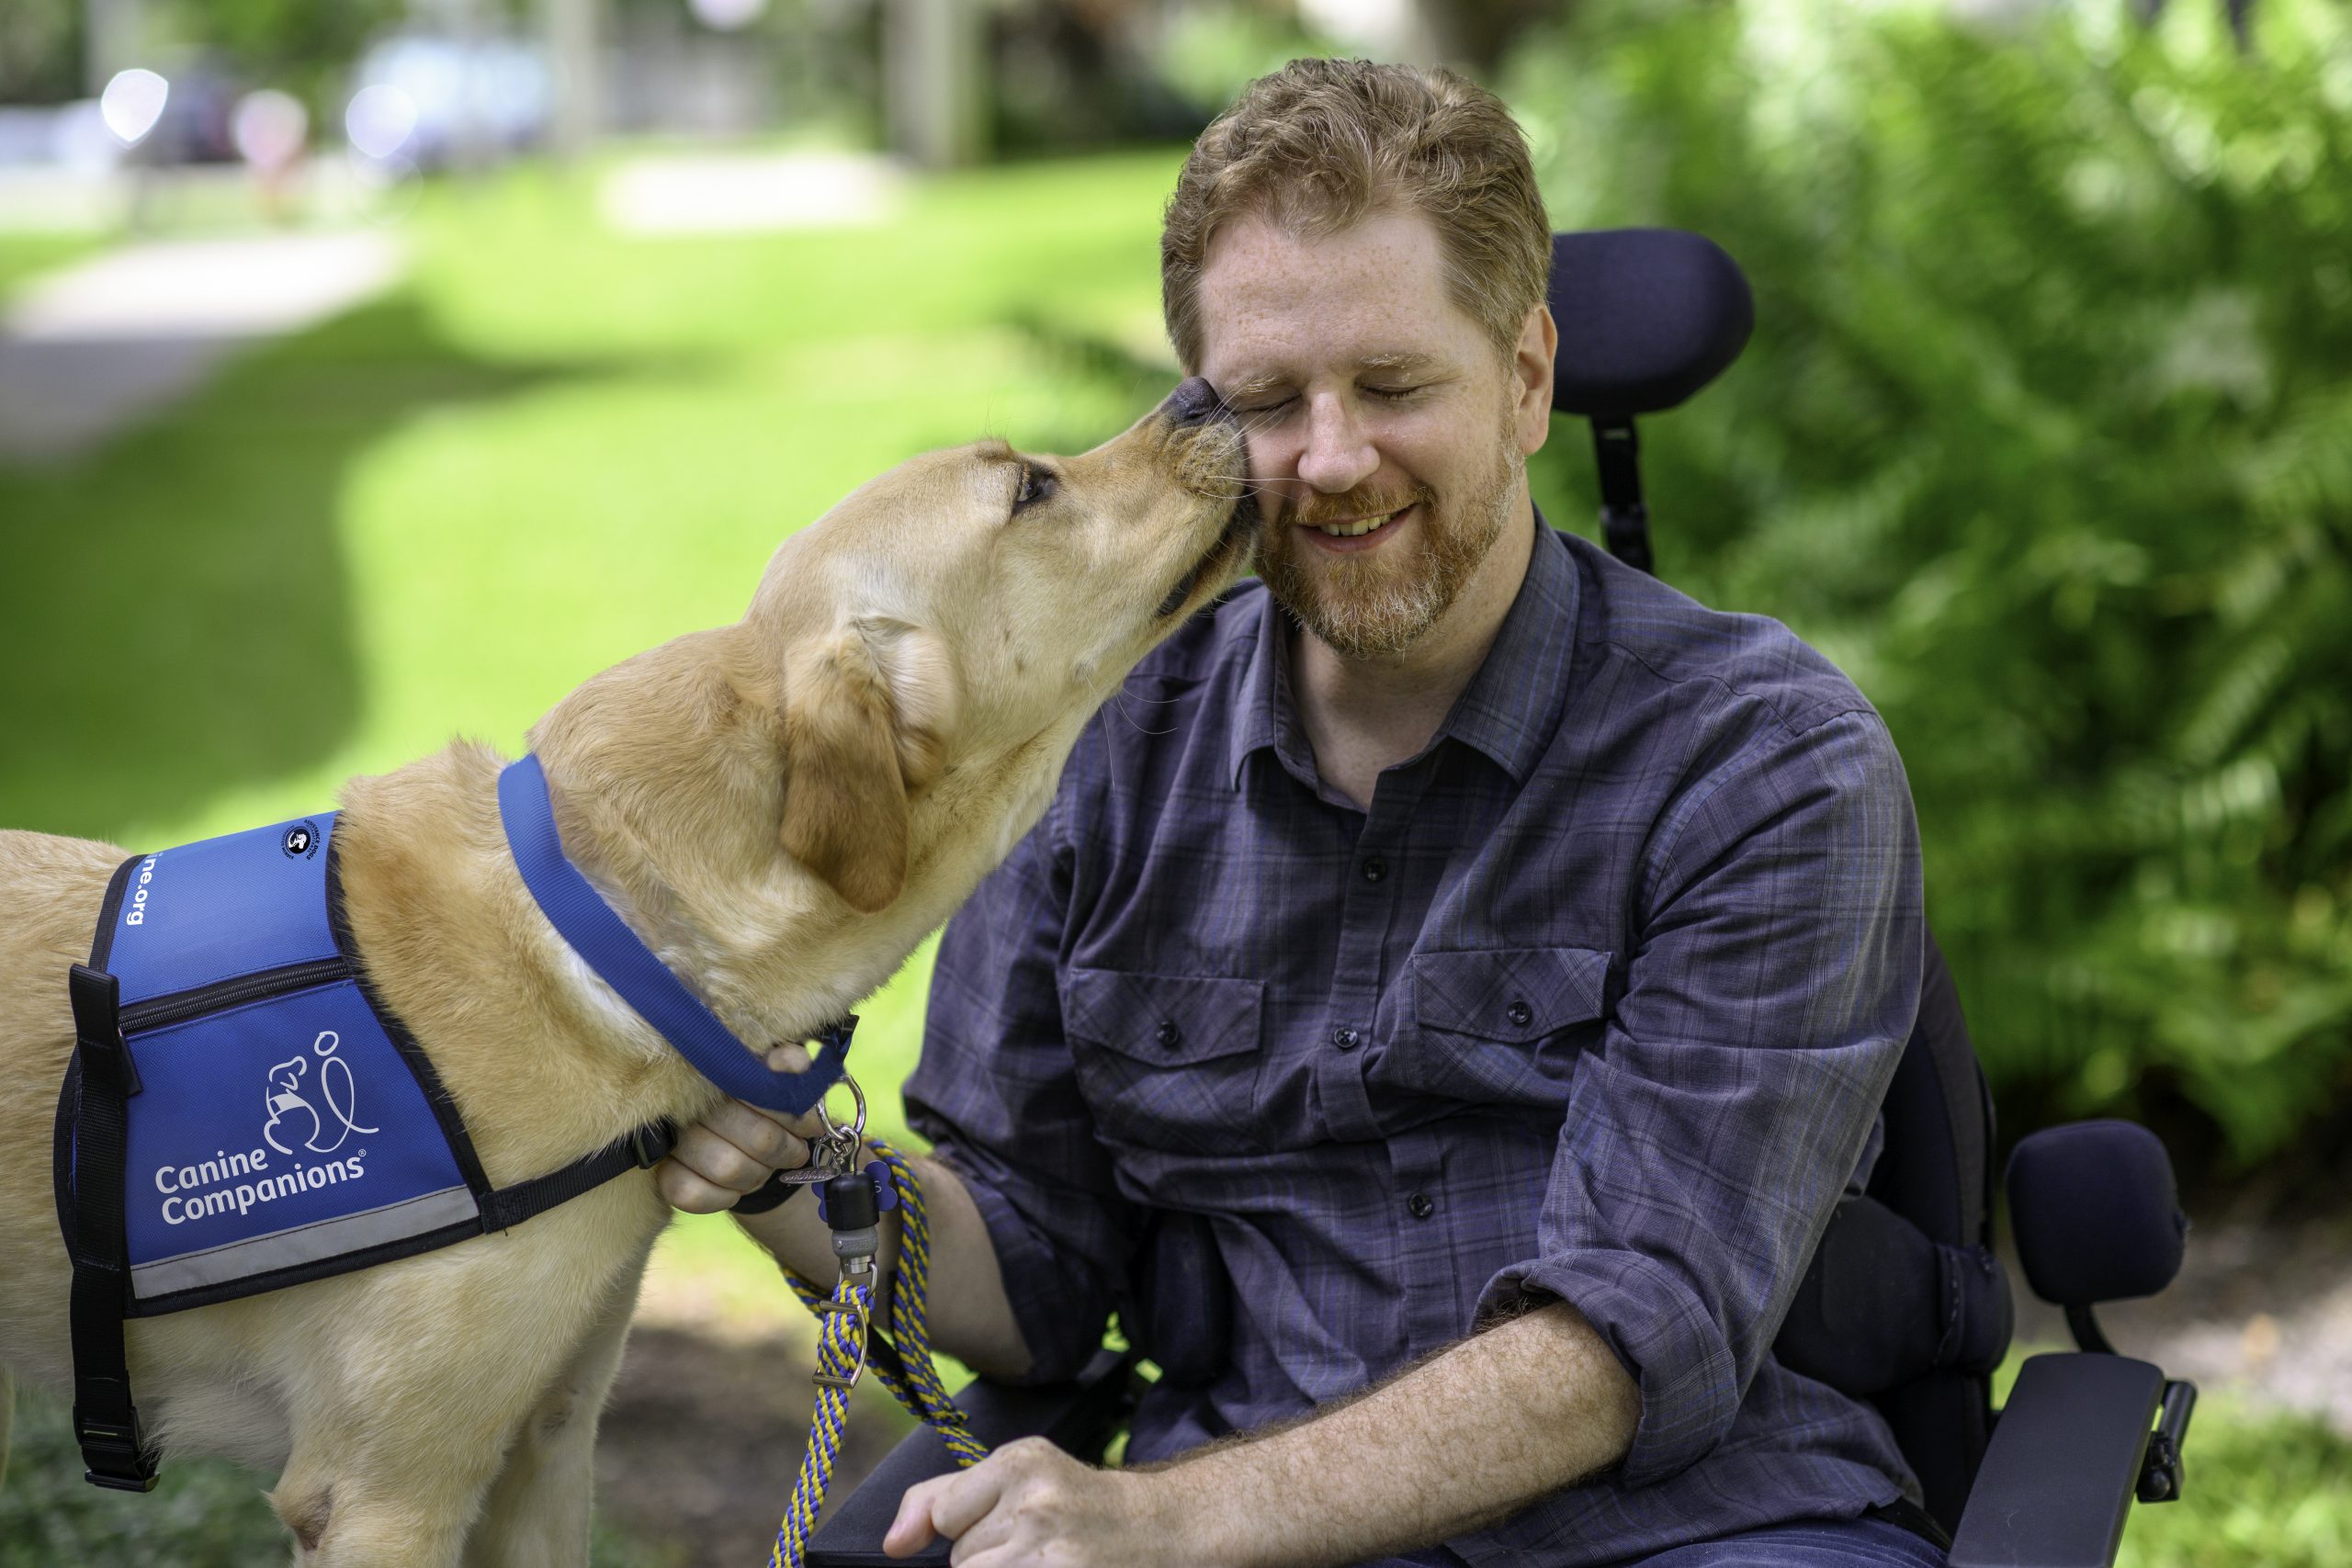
<point>24,256</point>
<point>2260,1489</point>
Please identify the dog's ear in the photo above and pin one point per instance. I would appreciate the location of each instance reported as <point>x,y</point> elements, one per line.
<point>866,712</point>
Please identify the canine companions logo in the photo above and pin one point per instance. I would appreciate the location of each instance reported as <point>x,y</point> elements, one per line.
<point>283,1097</point>
<point>195,1191</point>
<point>301,841</point>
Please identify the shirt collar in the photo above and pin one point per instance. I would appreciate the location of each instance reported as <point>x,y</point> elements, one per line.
<point>1509,711</point>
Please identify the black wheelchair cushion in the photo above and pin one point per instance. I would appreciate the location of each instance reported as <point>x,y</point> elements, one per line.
<point>1884,1304</point>
<point>2098,1218</point>
<point>1646,317</point>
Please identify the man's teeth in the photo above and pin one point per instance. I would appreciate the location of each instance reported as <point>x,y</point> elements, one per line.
<point>1360,527</point>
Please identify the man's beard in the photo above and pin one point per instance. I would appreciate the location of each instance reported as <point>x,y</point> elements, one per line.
<point>1378,604</point>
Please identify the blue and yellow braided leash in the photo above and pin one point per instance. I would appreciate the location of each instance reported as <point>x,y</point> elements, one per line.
<point>843,1317</point>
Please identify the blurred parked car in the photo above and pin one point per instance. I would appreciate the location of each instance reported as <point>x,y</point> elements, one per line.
<point>449,99</point>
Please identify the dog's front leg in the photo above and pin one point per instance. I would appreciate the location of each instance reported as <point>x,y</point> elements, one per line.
<point>538,1512</point>
<point>408,1383</point>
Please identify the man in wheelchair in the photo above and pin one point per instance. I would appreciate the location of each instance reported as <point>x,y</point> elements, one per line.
<point>1453,986</point>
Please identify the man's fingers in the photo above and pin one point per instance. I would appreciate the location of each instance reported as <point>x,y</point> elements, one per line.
<point>917,1522</point>
<point>910,1529</point>
<point>788,1058</point>
<point>947,1505</point>
<point>718,1160</point>
<point>775,1141</point>
<point>968,1498</point>
<point>682,1188</point>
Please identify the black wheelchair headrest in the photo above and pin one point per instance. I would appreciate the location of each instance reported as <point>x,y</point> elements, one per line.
<point>1646,317</point>
<point>2095,1212</point>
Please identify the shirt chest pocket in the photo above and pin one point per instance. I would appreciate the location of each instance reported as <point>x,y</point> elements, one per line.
<point>1166,1061</point>
<point>1503,1026</point>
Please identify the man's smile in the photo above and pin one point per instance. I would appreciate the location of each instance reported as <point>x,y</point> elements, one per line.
<point>1356,534</point>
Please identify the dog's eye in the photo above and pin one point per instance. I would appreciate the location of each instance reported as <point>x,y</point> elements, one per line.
<point>1037,484</point>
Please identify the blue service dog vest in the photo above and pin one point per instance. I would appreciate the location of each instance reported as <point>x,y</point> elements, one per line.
<point>243,1112</point>
<point>281,1130</point>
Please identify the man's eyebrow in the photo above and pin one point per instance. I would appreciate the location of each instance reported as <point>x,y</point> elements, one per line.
<point>1411,361</point>
<point>1405,362</point>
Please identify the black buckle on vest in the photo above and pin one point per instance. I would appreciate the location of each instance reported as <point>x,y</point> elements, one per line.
<point>650,1144</point>
<point>97,1026</point>
<point>115,1452</point>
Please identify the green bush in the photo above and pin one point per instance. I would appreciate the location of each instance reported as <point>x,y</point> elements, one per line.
<point>2045,435</point>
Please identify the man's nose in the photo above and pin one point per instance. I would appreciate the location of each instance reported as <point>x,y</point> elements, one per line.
<point>1192,403</point>
<point>1336,457</point>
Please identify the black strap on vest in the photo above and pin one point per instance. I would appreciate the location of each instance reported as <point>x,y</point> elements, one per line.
<point>105,1421</point>
<point>641,1148</point>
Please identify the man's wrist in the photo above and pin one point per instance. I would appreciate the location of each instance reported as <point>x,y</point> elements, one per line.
<point>1173,1517</point>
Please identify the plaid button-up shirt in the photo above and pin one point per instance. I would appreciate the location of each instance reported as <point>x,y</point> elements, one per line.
<point>1597,1002</point>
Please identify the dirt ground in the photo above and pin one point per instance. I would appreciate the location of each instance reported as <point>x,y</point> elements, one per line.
<point>704,1435</point>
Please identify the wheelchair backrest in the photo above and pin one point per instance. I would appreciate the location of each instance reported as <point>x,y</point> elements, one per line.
<point>1904,1304</point>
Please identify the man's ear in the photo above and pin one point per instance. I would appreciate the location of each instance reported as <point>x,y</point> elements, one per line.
<point>863,724</point>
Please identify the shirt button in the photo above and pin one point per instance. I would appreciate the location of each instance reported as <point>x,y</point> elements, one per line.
<point>1167,1033</point>
<point>1375,868</point>
<point>1421,1205</point>
<point>1519,1013</point>
<point>1346,1039</point>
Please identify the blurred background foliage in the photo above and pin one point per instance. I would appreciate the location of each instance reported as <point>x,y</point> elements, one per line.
<point>2045,435</point>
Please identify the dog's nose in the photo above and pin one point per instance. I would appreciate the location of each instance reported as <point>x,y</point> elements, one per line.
<point>1192,403</point>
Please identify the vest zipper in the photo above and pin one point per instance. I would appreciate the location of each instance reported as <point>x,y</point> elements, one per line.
<point>157,1012</point>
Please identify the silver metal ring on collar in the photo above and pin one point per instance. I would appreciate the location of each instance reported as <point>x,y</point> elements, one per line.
<point>856,1129</point>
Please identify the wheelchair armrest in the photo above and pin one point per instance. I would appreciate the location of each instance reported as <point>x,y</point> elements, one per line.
<point>2064,1465</point>
<point>1080,1417</point>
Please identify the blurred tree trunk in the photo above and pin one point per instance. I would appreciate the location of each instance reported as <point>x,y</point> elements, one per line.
<point>111,38</point>
<point>1477,33</point>
<point>934,74</point>
<point>574,28</point>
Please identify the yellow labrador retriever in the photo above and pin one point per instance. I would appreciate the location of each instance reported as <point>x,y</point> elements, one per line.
<point>781,808</point>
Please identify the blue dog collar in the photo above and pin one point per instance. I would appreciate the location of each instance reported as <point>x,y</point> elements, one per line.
<point>604,943</point>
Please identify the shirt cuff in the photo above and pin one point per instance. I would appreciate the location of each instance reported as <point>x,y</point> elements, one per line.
<point>1061,1323</point>
<point>1664,1336</point>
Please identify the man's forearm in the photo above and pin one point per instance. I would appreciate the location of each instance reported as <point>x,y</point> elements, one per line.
<point>1461,1440</point>
<point>970,1316</point>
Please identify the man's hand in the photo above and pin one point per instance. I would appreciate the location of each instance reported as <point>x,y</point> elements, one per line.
<point>1030,1502</point>
<point>735,1148</point>
<point>1457,1443</point>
